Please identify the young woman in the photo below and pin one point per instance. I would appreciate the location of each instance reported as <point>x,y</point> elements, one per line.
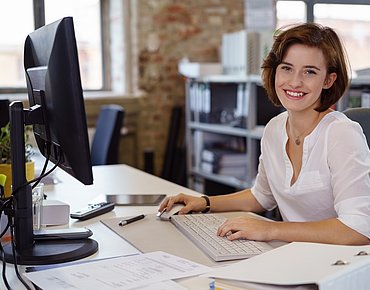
<point>314,163</point>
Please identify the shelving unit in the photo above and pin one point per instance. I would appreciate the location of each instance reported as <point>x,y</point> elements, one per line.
<point>225,117</point>
<point>354,97</point>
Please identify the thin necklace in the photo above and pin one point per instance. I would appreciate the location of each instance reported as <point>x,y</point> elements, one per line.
<point>297,140</point>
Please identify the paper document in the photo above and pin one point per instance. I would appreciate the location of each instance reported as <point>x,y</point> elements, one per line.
<point>164,285</point>
<point>118,273</point>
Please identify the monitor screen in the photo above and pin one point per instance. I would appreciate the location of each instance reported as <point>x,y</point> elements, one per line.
<point>53,82</point>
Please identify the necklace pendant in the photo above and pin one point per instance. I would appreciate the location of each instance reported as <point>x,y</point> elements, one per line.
<point>297,142</point>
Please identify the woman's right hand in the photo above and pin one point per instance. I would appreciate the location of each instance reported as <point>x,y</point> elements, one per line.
<point>191,203</point>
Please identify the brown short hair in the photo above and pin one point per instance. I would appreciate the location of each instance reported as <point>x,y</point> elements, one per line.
<point>312,35</point>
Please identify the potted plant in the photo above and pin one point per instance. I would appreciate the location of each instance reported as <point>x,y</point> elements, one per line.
<point>5,157</point>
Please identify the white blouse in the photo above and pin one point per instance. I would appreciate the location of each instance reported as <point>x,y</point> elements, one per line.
<point>334,180</point>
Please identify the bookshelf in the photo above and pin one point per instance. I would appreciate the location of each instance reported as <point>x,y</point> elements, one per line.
<point>225,118</point>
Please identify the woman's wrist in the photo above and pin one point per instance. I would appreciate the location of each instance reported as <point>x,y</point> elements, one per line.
<point>275,230</point>
<point>207,207</point>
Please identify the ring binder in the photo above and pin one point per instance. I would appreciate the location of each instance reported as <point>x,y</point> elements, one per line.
<point>340,263</point>
<point>362,253</point>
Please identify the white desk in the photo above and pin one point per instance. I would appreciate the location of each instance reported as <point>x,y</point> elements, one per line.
<point>111,179</point>
<point>107,179</point>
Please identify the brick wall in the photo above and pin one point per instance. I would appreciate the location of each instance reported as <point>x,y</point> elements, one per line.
<point>169,30</point>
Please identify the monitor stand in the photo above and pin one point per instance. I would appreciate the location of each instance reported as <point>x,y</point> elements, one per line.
<point>46,252</point>
<point>29,251</point>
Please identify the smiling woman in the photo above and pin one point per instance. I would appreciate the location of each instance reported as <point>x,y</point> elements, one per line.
<point>314,163</point>
<point>302,65</point>
<point>325,62</point>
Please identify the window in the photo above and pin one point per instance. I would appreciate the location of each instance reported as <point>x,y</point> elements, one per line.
<point>87,22</point>
<point>353,25</point>
<point>18,18</point>
<point>13,33</point>
<point>288,12</point>
<point>349,18</point>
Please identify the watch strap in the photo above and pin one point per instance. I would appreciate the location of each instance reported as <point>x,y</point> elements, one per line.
<point>208,206</point>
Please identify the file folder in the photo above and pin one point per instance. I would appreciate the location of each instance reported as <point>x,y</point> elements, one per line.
<point>330,267</point>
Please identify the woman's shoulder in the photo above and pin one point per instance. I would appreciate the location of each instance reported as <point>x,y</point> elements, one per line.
<point>339,127</point>
<point>336,119</point>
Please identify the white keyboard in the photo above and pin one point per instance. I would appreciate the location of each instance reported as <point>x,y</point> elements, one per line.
<point>201,229</point>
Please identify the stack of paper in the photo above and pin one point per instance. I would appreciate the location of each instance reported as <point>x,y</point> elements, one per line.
<point>196,69</point>
<point>119,273</point>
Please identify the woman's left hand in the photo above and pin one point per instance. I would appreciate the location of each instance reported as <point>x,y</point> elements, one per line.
<point>247,228</point>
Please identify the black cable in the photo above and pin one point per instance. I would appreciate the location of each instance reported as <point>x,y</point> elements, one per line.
<point>4,205</point>
<point>42,172</point>
<point>5,230</point>
<point>5,280</point>
<point>8,205</point>
<point>40,177</point>
<point>47,145</point>
<point>11,223</point>
<point>15,259</point>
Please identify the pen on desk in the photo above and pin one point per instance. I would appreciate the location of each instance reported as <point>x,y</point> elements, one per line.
<point>131,220</point>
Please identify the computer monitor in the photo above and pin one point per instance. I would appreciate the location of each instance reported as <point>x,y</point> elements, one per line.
<point>58,117</point>
<point>53,82</point>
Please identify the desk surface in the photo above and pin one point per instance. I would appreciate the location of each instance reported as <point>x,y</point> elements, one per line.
<point>110,179</point>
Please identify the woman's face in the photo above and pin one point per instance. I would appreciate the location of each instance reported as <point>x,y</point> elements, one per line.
<point>301,76</point>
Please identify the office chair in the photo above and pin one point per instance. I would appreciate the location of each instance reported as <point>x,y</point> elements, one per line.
<point>361,116</point>
<point>4,112</point>
<point>105,144</point>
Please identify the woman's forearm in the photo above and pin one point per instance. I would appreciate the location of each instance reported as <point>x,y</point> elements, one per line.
<point>239,201</point>
<point>331,231</point>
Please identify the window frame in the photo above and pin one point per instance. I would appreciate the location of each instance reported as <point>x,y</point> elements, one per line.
<point>310,5</point>
<point>39,21</point>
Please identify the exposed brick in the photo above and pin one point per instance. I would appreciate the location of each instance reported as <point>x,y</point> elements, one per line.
<point>187,28</point>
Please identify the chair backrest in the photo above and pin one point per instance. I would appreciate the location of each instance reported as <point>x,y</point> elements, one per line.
<point>105,144</point>
<point>4,112</point>
<point>361,116</point>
